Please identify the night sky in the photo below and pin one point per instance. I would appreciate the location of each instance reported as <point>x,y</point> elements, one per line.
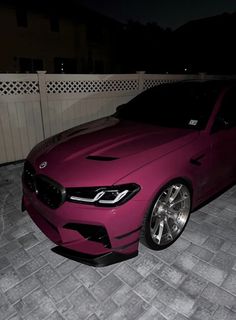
<point>167,13</point>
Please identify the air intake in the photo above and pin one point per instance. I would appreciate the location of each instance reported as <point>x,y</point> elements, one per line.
<point>101,158</point>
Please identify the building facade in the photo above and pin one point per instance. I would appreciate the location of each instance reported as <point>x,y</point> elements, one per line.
<point>56,37</point>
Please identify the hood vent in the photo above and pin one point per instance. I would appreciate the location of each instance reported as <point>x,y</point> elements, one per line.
<point>101,158</point>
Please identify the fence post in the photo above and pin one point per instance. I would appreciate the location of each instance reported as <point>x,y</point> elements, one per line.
<point>43,98</point>
<point>140,80</point>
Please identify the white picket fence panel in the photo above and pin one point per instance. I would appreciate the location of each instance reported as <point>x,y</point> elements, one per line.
<point>36,106</point>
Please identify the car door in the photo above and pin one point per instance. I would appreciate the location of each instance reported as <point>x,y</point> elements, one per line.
<point>223,142</point>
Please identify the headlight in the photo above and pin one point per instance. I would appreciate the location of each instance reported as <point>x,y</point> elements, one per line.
<point>103,196</point>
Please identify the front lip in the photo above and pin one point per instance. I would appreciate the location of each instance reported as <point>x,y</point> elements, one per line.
<point>101,260</point>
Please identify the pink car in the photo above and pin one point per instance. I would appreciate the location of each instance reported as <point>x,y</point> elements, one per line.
<point>98,188</point>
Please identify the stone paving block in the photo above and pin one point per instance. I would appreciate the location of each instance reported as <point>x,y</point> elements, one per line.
<point>31,301</point>
<point>197,237</point>
<point>15,317</point>
<point>64,288</point>
<point>218,222</point>
<point>219,296</point>
<point>6,309</point>
<point>163,309</point>
<point>67,267</point>
<point>11,246</point>
<point>224,314</point>
<point>198,216</point>
<point>180,245</point>
<point>151,314</point>
<point>18,257</point>
<point>8,278</point>
<point>45,308</point>
<point>231,248</point>
<point>106,287</point>
<point>185,262</point>
<point>84,304</point>
<point>131,310</point>
<point>213,243</point>
<point>227,233</point>
<point>31,266</point>
<point>122,294</point>
<point>149,287</point>
<point>4,262</point>
<point>28,241</point>
<point>104,310</point>
<point>171,275</point>
<point>47,276</point>
<point>229,214</point>
<point>87,275</point>
<point>209,272</point>
<point>200,252</point>
<point>128,275</point>
<point>180,317</point>
<point>167,255</point>
<point>176,300</point>
<point>207,228</point>
<point>52,258</point>
<point>108,269</point>
<point>193,285</point>
<point>92,317</point>
<point>22,288</point>
<point>55,316</point>
<point>224,261</point>
<point>204,309</point>
<point>227,246</point>
<point>145,263</point>
<point>40,247</point>
<point>230,282</point>
<point>63,306</point>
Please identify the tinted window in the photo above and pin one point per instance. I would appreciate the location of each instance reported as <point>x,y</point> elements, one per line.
<point>181,105</point>
<point>228,108</point>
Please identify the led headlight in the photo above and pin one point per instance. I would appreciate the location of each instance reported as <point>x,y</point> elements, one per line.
<point>103,196</point>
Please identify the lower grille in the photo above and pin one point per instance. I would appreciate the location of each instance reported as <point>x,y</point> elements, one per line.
<point>91,232</point>
<point>49,192</point>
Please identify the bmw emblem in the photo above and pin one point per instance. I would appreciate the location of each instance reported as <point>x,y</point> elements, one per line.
<point>43,165</point>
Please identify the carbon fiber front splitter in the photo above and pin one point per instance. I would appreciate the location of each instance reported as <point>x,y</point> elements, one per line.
<point>94,260</point>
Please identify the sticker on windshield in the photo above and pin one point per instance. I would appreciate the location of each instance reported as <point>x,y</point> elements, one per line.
<point>193,122</point>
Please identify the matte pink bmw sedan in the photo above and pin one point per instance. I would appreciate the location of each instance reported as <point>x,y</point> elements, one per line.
<point>97,188</point>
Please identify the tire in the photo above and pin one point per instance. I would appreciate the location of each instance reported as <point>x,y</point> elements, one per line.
<point>167,217</point>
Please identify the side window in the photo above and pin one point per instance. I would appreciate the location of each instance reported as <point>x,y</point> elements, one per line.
<point>228,108</point>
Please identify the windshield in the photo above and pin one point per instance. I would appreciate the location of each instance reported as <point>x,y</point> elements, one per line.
<point>177,105</point>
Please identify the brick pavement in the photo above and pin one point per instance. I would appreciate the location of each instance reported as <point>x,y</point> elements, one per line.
<point>193,279</point>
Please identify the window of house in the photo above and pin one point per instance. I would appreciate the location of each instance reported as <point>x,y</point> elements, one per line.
<point>22,17</point>
<point>54,23</point>
<point>30,65</point>
<point>65,65</point>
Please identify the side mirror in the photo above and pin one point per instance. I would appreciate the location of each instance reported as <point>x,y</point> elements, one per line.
<point>220,124</point>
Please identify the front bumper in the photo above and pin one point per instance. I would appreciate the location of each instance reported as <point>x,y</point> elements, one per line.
<point>117,239</point>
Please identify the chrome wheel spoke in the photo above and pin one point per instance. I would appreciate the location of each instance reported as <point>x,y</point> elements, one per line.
<point>170,214</point>
<point>160,232</point>
<point>177,201</point>
<point>175,194</point>
<point>169,232</point>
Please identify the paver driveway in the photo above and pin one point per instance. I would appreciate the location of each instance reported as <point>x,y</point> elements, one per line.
<point>193,279</point>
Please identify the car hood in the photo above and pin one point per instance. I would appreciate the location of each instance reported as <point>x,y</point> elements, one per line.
<point>103,151</point>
